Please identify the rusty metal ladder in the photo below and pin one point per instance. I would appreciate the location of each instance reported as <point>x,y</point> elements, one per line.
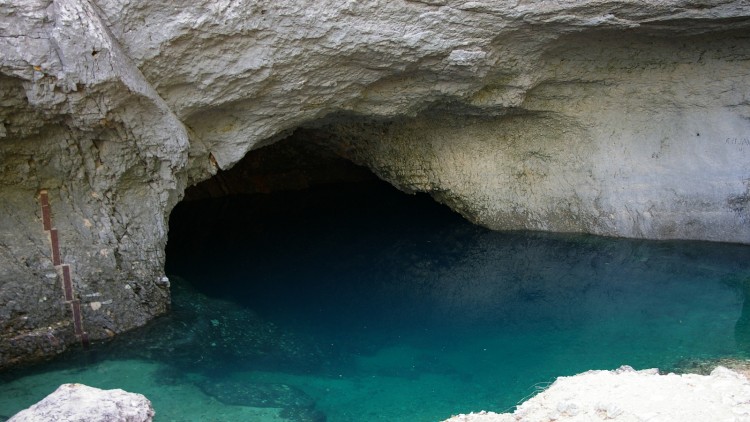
<point>63,269</point>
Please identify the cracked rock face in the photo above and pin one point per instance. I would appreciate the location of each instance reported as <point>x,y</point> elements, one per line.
<point>624,118</point>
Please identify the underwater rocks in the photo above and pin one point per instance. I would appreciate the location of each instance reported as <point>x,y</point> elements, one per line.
<point>706,366</point>
<point>256,395</point>
<point>629,395</point>
<point>213,336</point>
<point>295,404</point>
<point>81,403</point>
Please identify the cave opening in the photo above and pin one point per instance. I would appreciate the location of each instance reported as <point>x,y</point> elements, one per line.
<point>292,220</point>
<point>297,268</point>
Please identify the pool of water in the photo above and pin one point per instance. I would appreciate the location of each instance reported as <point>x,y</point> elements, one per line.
<point>359,303</point>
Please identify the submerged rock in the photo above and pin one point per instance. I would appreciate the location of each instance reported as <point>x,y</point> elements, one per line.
<point>629,395</point>
<point>706,366</point>
<point>295,404</point>
<point>81,403</point>
<point>208,335</point>
<point>256,394</point>
<point>303,414</point>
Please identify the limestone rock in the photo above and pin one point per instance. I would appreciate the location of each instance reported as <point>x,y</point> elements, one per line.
<point>629,395</point>
<point>624,118</point>
<point>80,403</point>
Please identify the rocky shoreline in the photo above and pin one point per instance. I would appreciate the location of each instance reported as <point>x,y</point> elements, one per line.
<point>629,395</point>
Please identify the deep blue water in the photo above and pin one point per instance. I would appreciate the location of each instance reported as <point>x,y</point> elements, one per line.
<point>359,303</point>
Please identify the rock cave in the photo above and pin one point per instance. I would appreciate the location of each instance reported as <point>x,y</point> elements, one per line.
<point>623,119</point>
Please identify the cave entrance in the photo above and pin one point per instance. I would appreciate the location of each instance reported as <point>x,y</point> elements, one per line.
<point>290,220</point>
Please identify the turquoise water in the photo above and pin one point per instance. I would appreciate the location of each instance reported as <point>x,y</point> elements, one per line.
<point>359,303</point>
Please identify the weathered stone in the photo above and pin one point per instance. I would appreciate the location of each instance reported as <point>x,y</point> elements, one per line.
<point>81,121</point>
<point>80,403</point>
<point>629,395</point>
<point>624,118</point>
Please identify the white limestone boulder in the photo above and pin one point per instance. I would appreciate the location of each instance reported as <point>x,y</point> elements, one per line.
<point>81,403</point>
<point>629,395</point>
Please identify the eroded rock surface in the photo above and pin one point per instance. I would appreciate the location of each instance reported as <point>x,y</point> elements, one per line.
<point>625,118</point>
<point>81,403</point>
<point>629,395</point>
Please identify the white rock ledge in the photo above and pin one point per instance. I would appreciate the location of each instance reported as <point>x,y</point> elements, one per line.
<point>629,395</point>
<point>81,403</point>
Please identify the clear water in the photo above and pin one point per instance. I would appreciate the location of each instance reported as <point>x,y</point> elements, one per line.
<point>359,303</point>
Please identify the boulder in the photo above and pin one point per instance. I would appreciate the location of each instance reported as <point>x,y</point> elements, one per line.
<point>81,403</point>
<point>629,395</point>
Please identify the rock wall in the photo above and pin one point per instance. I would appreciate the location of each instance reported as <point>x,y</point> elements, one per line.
<point>80,120</point>
<point>622,134</point>
<point>626,118</point>
<point>582,156</point>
